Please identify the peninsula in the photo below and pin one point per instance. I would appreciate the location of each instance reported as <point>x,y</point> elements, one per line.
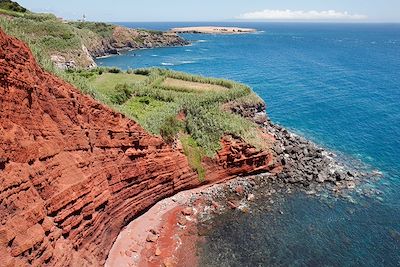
<point>213,30</point>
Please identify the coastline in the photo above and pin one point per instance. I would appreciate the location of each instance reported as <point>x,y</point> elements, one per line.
<point>81,167</point>
<point>168,233</point>
<point>126,39</point>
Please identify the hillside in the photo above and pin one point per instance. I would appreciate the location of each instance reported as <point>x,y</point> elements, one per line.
<point>73,172</point>
<point>12,6</point>
<point>185,110</point>
<point>192,110</point>
<point>76,44</point>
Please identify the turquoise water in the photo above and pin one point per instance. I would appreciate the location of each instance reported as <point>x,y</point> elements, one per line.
<point>336,84</point>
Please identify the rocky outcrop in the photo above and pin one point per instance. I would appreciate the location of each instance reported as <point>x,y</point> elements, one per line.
<point>237,158</point>
<point>85,59</point>
<point>124,39</point>
<point>254,111</point>
<point>301,161</point>
<point>73,172</point>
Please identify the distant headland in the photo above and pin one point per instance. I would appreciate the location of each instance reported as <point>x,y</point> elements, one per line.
<point>213,30</point>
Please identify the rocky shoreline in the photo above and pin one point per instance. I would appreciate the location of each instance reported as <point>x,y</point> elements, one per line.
<point>176,231</point>
<point>125,39</point>
<point>303,161</point>
<point>307,164</point>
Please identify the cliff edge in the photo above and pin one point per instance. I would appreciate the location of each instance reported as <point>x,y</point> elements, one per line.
<point>73,172</point>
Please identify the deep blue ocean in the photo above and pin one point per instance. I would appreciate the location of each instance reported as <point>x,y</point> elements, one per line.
<point>336,84</point>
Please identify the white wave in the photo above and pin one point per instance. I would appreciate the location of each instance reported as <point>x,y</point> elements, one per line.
<point>167,64</point>
<point>188,50</point>
<point>107,56</point>
<point>202,41</point>
<point>154,55</point>
<point>187,62</point>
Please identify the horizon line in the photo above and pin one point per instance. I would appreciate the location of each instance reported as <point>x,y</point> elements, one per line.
<point>251,21</point>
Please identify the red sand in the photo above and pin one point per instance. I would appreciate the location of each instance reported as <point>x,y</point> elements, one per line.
<point>175,231</point>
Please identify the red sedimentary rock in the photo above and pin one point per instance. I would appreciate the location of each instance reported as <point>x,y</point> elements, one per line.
<point>236,157</point>
<point>73,172</point>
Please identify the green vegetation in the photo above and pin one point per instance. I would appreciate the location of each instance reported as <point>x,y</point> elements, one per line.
<point>171,127</point>
<point>194,154</point>
<point>12,6</point>
<point>107,82</point>
<point>143,96</point>
<point>152,97</point>
<point>150,31</point>
<point>105,30</point>
<point>48,35</point>
<point>53,36</point>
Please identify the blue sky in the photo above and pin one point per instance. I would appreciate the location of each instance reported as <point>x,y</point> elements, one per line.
<point>220,10</point>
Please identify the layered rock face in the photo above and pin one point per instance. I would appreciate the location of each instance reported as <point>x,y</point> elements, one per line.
<point>238,158</point>
<point>73,172</point>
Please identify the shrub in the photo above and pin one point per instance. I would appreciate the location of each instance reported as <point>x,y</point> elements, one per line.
<point>121,94</point>
<point>114,70</point>
<point>145,72</point>
<point>195,154</point>
<point>105,30</point>
<point>170,129</point>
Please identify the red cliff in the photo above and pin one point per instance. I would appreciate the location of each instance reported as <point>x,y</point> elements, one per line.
<point>73,172</point>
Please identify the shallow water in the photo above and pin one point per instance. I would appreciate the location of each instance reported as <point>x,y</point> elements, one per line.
<point>336,84</point>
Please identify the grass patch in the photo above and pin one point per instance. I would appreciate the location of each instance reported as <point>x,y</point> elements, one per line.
<point>105,30</point>
<point>181,85</point>
<point>195,154</point>
<point>150,113</point>
<point>140,95</point>
<point>156,107</point>
<point>106,82</point>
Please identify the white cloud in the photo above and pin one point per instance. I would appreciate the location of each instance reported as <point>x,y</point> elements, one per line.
<point>269,14</point>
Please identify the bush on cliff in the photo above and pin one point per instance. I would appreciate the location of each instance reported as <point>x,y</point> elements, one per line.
<point>194,154</point>
<point>122,93</point>
<point>170,129</point>
<point>105,30</point>
<point>12,6</point>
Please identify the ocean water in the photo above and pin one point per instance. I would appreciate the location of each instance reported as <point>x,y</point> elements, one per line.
<point>336,84</point>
